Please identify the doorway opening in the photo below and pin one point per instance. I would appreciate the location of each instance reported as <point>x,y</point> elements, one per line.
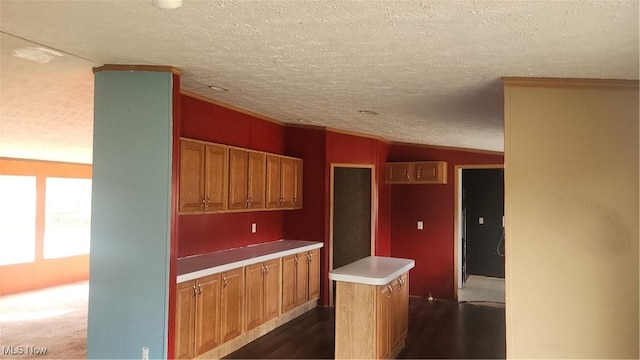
<point>479,239</point>
<point>352,231</point>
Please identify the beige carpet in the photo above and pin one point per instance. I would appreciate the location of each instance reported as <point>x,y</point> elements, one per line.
<point>479,289</point>
<point>45,324</point>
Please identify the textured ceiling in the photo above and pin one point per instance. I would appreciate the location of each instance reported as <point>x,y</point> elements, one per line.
<point>431,69</point>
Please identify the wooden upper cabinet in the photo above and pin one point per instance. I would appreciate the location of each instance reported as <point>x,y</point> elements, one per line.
<point>217,178</point>
<point>246,179</point>
<point>287,182</point>
<point>431,172</point>
<point>273,182</point>
<point>284,182</point>
<point>256,180</point>
<point>216,165</point>
<point>192,176</point>
<point>424,172</point>
<point>238,179</point>
<point>399,173</point>
<point>297,192</point>
<point>203,177</point>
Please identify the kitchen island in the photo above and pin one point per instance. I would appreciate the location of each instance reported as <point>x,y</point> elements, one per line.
<point>372,307</point>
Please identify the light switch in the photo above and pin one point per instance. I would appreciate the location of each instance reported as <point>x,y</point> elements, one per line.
<point>420,225</point>
<point>480,220</point>
<point>254,228</point>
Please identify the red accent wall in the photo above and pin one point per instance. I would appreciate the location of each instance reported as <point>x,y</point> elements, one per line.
<point>199,234</point>
<point>433,247</point>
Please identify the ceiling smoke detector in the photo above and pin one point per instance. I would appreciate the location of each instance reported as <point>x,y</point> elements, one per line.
<point>167,4</point>
<point>36,54</point>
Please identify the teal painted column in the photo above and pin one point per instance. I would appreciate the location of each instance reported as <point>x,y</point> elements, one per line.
<point>130,224</point>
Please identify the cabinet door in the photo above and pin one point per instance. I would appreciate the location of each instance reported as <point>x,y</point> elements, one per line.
<point>302,279</point>
<point>185,320</point>
<point>288,282</point>
<point>271,289</point>
<point>273,182</point>
<point>256,180</point>
<point>254,296</point>
<point>231,304</point>
<point>207,329</point>
<point>287,182</point>
<point>431,172</point>
<point>216,167</point>
<point>398,173</point>
<point>192,156</point>
<point>383,323</point>
<point>238,178</point>
<point>314,274</point>
<point>297,196</point>
<point>403,317</point>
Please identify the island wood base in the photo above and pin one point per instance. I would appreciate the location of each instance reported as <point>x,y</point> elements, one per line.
<point>371,320</point>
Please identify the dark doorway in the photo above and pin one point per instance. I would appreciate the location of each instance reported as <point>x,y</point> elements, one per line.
<point>351,215</point>
<point>483,212</point>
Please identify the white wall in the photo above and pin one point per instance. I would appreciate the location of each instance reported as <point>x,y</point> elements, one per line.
<point>571,197</point>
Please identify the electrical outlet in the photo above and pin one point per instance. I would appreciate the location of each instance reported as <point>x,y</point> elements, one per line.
<point>145,353</point>
<point>480,220</point>
<point>254,228</point>
<point>420,225</point>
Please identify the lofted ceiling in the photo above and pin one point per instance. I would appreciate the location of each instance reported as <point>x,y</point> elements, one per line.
<point>430,69</point>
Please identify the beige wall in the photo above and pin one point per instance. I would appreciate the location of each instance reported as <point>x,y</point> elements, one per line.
<point>571,197</point>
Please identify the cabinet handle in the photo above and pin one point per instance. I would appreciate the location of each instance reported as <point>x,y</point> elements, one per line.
<point>202,203</point>
<point>266,269</point>
<point>207,203</point>
<point>400,284</point>
<point>390,290</point>
<point>419,173</point>
<point>295,200</point>
<point>296,259</point>
<point>199,290</point>
<point>408,176</point>
<point>224,281</point>
<point>195,292</point>
<point>309,258</point>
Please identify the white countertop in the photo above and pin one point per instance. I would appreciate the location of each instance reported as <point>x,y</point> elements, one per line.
<point>193,267</point>
<point>372,270</point>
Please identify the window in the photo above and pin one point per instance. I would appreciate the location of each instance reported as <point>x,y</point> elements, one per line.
<point>17,219</point>
<point>67,230</point>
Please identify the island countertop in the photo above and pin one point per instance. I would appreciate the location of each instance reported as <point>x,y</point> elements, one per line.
<point>372,270</point>
<point>193,267</point>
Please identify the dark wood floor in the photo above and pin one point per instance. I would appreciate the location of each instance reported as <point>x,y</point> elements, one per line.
<point>437,329</point>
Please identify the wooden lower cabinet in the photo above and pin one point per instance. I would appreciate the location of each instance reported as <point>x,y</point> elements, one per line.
<point>185,320</point>
<point>378,313</point>
<point>231,304</point>
<point>215,309</point>
<point>300,279</point>
<point>262,292</point>
<point>209,312</point>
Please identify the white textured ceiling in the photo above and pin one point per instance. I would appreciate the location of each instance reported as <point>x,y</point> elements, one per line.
<point>431,69</point>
